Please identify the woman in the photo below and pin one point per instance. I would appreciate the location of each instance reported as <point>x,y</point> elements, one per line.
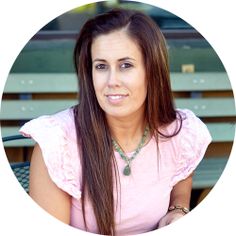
<point>121,161</point>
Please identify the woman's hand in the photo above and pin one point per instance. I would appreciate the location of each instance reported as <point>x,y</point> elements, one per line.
<point>170,217</point>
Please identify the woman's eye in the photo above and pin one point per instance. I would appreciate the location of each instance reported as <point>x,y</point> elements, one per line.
<point>101,67</point>
<point>126,65</point>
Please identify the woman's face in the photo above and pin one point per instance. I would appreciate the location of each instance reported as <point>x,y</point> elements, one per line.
<point>119,76</point>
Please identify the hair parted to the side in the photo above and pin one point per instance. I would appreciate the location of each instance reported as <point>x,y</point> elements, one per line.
<point>99,172</point>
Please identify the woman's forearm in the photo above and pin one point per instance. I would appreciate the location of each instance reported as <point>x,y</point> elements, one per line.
<point>181,193</point>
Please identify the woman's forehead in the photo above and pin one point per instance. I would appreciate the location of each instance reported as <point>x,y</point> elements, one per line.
<point>116,44</point>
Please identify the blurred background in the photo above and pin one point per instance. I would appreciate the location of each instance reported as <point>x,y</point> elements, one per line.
<point>49,55</point>
<point>57,40</point>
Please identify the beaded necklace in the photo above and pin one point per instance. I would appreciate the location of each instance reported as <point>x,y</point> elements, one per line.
<point>127,169</point>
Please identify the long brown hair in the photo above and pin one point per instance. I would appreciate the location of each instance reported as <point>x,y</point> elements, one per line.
<point>99,173</point>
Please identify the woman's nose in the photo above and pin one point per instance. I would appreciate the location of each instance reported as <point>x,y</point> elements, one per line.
<point>113,78</point>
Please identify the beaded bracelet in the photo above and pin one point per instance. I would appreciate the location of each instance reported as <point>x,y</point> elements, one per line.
<point>185,210</point>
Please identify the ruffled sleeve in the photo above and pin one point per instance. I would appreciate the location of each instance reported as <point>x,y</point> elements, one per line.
<point>53,134</point>
<point>191,143</point>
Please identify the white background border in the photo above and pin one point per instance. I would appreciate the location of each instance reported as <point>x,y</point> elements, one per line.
<point>20,20</point>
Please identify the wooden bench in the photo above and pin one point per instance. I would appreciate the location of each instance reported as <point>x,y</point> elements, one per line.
<point>34,97</point>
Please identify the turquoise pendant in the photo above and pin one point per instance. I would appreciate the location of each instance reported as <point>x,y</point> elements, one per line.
<point>127,170</point>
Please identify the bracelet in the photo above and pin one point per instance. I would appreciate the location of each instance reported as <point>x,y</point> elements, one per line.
<point>185,210</point>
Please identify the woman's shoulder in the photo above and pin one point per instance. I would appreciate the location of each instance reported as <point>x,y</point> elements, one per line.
<point>189,135</point>
<point>62,121</point>
<point>56,136</point>
<point>191,125</point>
<point>186,125</point>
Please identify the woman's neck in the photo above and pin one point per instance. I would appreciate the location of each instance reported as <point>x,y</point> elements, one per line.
<point>127,131</point>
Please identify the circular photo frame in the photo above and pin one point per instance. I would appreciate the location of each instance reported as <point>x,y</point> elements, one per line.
<point>199,73</point>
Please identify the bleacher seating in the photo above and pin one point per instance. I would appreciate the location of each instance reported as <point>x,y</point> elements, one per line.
<point>63,83</point>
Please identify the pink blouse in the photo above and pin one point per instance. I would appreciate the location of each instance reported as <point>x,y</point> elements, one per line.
<point>144,195</point>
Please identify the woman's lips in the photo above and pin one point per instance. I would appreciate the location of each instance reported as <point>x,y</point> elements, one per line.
<point>116,98</point>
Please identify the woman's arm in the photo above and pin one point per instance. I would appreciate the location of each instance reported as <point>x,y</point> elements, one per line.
<point>181,193</point>
<point>45,192</point>
<point>180,196</point>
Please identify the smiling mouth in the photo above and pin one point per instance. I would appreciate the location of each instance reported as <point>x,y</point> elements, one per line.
<point>114,98</point>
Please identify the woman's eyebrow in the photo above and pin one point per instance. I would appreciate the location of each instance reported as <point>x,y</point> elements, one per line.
<point>121,59</point>
<point>126,58</point>
<point>98,59</point>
